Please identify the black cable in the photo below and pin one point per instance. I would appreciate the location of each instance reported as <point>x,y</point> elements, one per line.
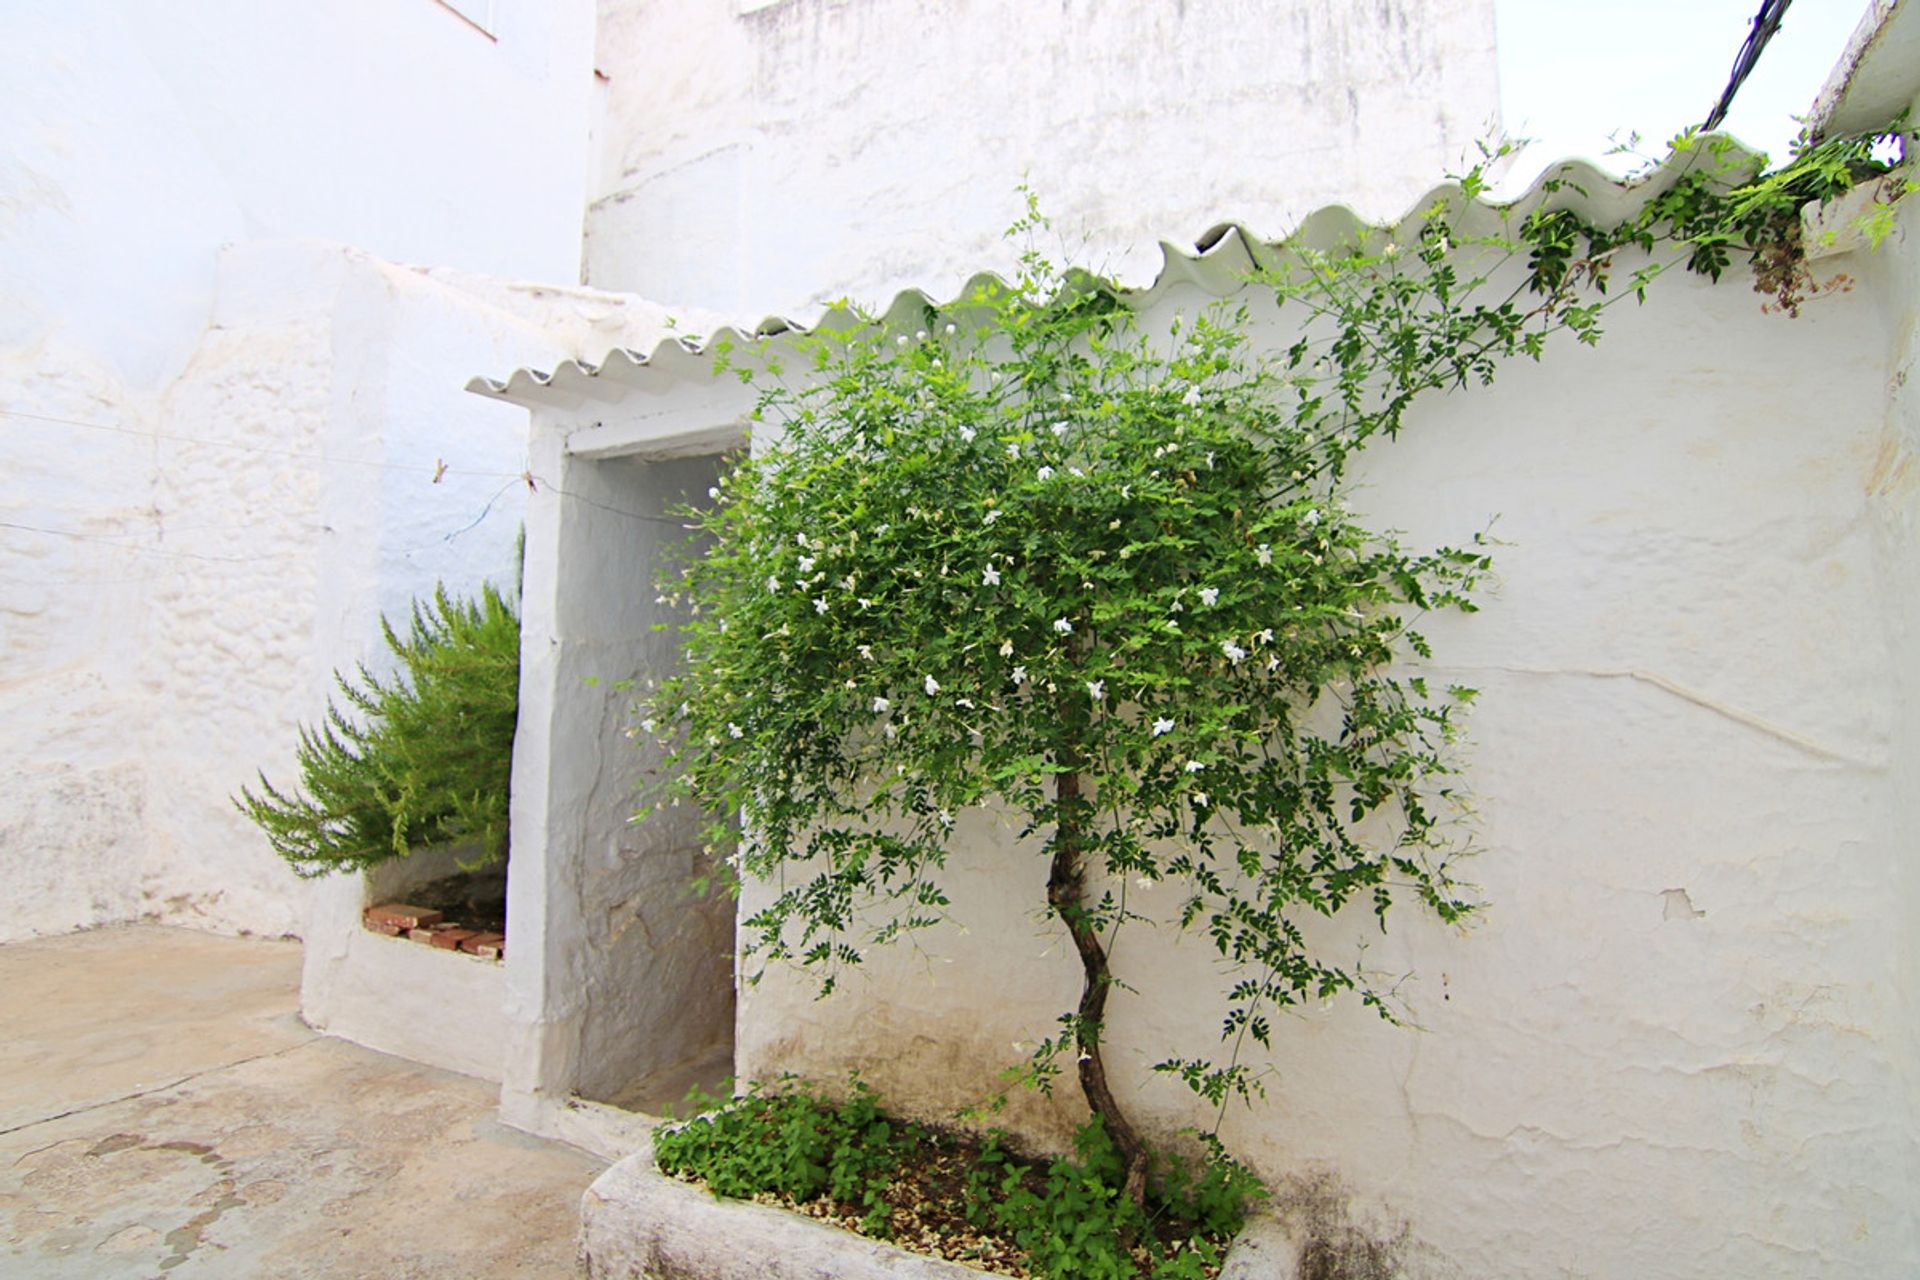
<point>1765,23</point>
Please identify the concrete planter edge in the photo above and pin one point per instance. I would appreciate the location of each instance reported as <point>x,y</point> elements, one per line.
<point>637,1223</point>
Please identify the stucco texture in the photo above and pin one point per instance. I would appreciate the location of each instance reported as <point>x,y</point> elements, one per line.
<point>764,158</point>
<point>1679,1041</point>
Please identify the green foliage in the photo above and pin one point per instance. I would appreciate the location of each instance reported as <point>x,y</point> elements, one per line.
<point>419,758</point>
<point>1072,1219</point>
<point>1078,1221</point>
<point>789,1142</point>
<point>1024,555</point>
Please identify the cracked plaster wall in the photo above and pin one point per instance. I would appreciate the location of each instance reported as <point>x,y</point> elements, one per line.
<point>1680,1041</point>
<point>764,157</point>
<point>619,968</point>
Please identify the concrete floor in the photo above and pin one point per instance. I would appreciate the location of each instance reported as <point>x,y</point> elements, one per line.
<point>164,1113</point>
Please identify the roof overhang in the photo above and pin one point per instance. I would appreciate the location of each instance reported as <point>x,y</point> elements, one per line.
<point>1879,75</point>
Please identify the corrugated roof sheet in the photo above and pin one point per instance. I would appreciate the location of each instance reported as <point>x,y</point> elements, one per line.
<point>1218,264</point>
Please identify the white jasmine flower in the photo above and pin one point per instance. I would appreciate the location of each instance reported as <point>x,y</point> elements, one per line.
<point>1273,662</point>
<point>819,604</point>
<point>1194,766</point>
<point>1059,428</point>
<point>920,335</point>
<point>1064,627</point>
<point>773,583</point>
<point>1209,461</point>
<point>990,577</point>
<point>964,702</point>
<point>996,375</point>
<point>1046,473</point>
<point>881,706</point>
<point>993,513</point>
<point>1019,675</point>
<point>866,603</point>
<point>946,819</point>
<point>1311,518</point>
<point>735,731</point>
<point>800,539</point>
<point>1208,595</point>
<point>866,651</point>
<point>1263,554</point>
<point>1162,725</point>
<point>1076,473</point>
<point>1192,398</point>
<point>1201,799</point>
<point>1013,451</point>
<point>846,583</point>
<point>1234,652</point>
<point>1096,689</point>
<point>1066,395</point>
<point>1006,648</point>
<point>932,686</point>
<point>647,724</point>
<point>967,434</point>
<point>1172,625</point>
<point>713,492</point>
<point>1264,635</point>
<point>881,532</point>
<point>806,564</point>
<point>890,732</point>
<point>900,341</point>
<point>1112,525</point>
<point>951,330</point>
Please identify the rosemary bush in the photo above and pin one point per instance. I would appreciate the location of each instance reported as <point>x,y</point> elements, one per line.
<point>419,758</point>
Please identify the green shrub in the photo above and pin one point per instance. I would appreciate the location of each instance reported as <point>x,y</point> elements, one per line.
<point>1070,1219</point>
<point>419,758</point>
<point>789,1142</point>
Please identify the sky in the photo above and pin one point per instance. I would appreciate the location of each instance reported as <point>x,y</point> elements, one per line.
<point>1573,72</point>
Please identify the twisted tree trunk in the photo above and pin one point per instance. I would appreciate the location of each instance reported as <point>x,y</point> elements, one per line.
<point>1066,894</point>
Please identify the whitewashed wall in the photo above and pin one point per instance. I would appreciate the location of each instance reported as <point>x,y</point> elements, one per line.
<point>170,607</point>
<point>764,156</point>
<point>1680,1042</point>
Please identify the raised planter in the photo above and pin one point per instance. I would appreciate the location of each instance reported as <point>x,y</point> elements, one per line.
<point>637,1223</point>
<point>430,1004</point>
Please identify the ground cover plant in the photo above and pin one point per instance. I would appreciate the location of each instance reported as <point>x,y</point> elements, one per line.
<point>960,1196</point>
<point>1020,553</point>
<point>421,757</point>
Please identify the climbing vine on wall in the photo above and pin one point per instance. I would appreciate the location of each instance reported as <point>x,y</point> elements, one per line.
<point>1023,553</point>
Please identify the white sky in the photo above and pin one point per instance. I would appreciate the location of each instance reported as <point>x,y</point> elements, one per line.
<point>1574,71</point>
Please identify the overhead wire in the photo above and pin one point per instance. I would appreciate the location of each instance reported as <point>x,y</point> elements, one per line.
<point>1765,24</point>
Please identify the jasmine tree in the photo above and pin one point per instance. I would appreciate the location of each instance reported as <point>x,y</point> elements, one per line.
<point>1023,554</point>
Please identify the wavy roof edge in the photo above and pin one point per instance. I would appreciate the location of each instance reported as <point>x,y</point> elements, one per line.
<point>1219,263</point>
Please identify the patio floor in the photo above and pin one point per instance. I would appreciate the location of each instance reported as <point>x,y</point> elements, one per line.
<point>164,1113</point>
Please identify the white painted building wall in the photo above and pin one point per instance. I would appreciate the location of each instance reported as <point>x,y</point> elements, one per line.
<point>765,156</point>
<point>169,609</point>
<point>1680,1041</point>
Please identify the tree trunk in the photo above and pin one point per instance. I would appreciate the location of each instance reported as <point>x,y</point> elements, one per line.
<point>1066,893</point>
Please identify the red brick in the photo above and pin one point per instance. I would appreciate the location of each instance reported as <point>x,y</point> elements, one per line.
<point>491,946</point>
<point>451,937</point>
<point>404,916</point>
<point>381,926</point>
